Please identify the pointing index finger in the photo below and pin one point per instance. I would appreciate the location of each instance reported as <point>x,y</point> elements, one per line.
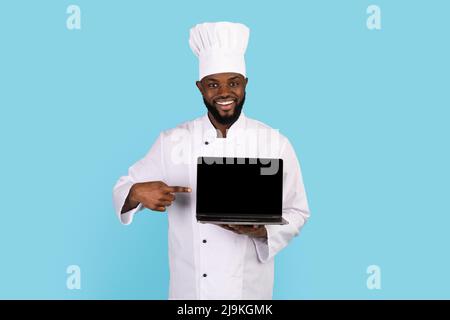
<point>178,189</point>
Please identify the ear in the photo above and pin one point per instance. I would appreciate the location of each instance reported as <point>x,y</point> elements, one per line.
<point>199,86</point>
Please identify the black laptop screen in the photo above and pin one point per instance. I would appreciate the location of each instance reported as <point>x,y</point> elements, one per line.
<point>239,186</point>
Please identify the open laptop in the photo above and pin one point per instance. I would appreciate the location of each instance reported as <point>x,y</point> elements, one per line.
<point>240,190</point>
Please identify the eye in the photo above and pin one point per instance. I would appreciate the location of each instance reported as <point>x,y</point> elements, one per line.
<point>234,84</point>
<point>212,85</point>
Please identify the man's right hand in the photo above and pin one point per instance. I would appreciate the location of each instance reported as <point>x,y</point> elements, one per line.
<point>154,195</point>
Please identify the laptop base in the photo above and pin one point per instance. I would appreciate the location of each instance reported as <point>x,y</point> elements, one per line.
<point>236,220</point>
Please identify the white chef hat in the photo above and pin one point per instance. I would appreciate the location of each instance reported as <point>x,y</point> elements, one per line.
<point>220,47</point>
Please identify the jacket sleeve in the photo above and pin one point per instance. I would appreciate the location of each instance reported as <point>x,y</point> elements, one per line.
<point>149,168</point>
<point>295,208</point>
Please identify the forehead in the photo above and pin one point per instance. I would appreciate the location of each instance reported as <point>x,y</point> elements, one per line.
<point>226,76</point>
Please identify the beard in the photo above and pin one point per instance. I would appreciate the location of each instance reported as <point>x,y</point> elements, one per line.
<point>227,119</point>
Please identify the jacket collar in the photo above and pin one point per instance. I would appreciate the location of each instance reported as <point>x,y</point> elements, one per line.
<point>240,123</point>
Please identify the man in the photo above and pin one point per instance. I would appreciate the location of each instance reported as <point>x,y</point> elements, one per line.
<point>209,261</point>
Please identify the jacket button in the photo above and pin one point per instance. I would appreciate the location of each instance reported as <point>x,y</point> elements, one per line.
<point>206,142</point>
<point>204,275</point>
<point>204,240</point>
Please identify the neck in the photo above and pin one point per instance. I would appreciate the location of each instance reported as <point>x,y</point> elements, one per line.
<point>222,128</point>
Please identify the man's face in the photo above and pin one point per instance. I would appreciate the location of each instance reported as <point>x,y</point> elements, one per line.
<point>224,95</point>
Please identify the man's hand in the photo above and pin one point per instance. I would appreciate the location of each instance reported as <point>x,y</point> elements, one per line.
<point>154,195</point>
<point>256,231</point>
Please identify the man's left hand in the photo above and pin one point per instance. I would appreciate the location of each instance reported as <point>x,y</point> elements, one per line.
<point>256,231</point>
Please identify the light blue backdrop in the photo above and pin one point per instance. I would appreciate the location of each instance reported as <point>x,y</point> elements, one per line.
<point>367,112</point>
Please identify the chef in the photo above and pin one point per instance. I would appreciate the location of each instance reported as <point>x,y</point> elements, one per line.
<point>209,261</point>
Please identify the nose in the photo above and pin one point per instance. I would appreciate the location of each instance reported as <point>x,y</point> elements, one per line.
<point>223,91</point>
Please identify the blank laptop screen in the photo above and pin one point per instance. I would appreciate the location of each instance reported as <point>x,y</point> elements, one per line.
<point>239,186</point>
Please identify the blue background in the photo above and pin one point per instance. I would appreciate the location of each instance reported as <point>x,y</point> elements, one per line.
<point>367,112</point>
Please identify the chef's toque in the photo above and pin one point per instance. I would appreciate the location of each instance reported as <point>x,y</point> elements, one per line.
<point>220,47</point>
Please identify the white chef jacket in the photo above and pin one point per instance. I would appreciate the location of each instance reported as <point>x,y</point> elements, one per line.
<point>227,265</point>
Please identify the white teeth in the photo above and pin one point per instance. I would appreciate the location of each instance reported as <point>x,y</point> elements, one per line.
<point>224,103</point>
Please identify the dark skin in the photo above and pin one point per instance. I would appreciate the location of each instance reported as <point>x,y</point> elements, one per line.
<point>223,91</point>
<point>222,87</point>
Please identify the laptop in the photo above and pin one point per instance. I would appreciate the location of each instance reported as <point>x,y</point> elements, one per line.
<point>240,190</point>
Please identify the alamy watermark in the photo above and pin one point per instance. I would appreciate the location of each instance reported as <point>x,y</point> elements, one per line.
<point>73,281</point>
<point>73,21</point>
<point>374,279</point>
<point>374,19</point>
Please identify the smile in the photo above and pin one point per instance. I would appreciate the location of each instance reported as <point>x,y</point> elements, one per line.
<point>225,103</point>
